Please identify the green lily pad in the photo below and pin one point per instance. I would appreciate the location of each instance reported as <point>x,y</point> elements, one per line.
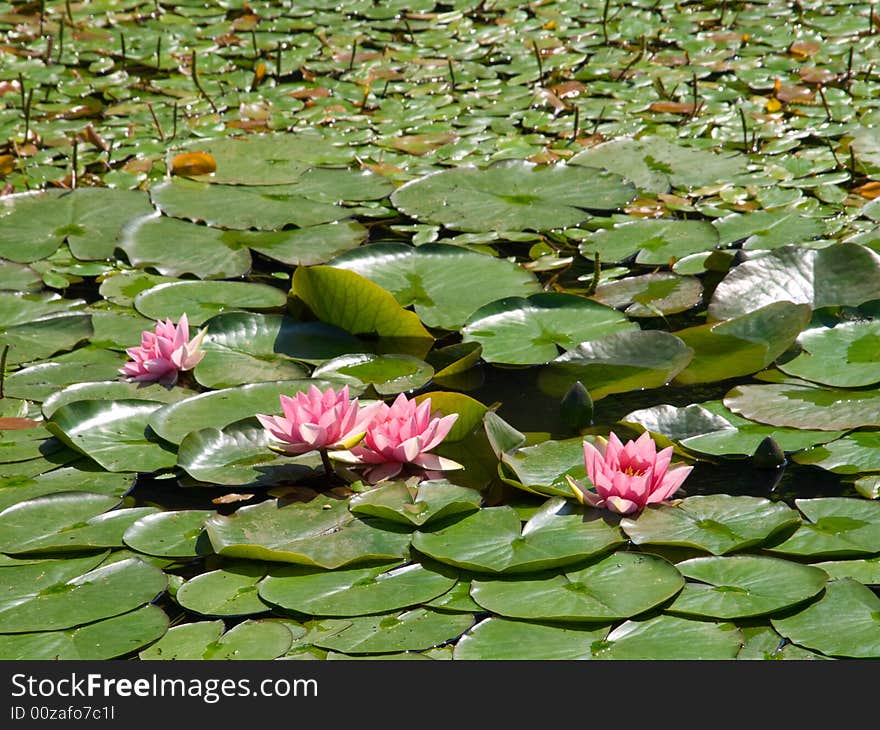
<point>45,337</point>
<point>228,591</point>
<point>105,591</point>
<point>66,479</point>
<point>18,277</point>
<point>836,527</point>
<point>444,284</point>
<point>511,195</point>
<point>617,587</point>
<point>109,390</point>
<point>494,540</point>
<point>89,218</point>
<point>413,630</point>
<point>651,295</point>
<point>846,274</point>
<point>267,159</point>
<point>768,229</point>
<point>428,501</point>
<point>716,523</point>
<point>865,571</point>
<point>803,406</point>
<point>617,363</point>
<point>353,303</point>
<point>654,163</point>
<point>322,533</point>
<point>388,374</point>
<point>531,331</point>
<point>239,455</point>
<point>743,586</point>
<point>653,242</point>
<point>174,247</point>
<point>762,642</point>
<point>852,454</point>
<point>173,534</point>
<point>72,520</point>
<point>105,639</point>
<point>201,300</point>
<point>115,434</point>
<point>355,591</point>
<point>844,623</point>
<point>742,345</point>
<point>205,640</point>
<point>220,408</point>
<point>542,468</point>
<point>263,207</point>
<point>305,246</point>
<point>44,380</point>
<point>505,639</point>
<point>670,638</point>
<point>843,356</point>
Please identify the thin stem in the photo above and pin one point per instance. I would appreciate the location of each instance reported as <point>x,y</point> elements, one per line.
<point>195,77</point>
<point>3,369</point>
<point>540,65</point>
<point>156,122</point>
<point>325,460</point>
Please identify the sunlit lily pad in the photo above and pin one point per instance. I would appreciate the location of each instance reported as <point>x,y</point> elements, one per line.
<point>844,623</point>
<point>504,638</point>
<point>618,586</point>
<point>115,434</point>
<point>73,520</point>
<point>413,630</point>
<point>743,586</point>
<point>445,284</point>
<point>355,591</point>
<point>801,406</point>
<point>172,534</point>
<point>227,591</point>
<point>767,229</point>
<point>201,300</point>
<point>511,195</point>
<point>494,540</point>
<point>321,533</point>
<point>109,390</point>
<point>42,338</point>
<point>388,374</point>
<point>844,356</point>
<point>206,640</point>
<point>533,330</point>
<point>108,638</point>
<point>44,380</point>
<point>762,642</point>
<point>105,591</point>
<point>652,242</point>
<point>306,246</point>
<point>852,454</point>
<point>836,527</point>
<point>865,571</point>
<point>845,274</point>
<point>239,455</point>
<point>670,638</point>
<point>717,523</point>
<point>617,363</point>
<point>651,295</point>
<point>542,468</point>
<point>66,479</point>
<point>428,501</point>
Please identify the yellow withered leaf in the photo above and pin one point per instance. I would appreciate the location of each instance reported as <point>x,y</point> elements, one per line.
<point>193,163</point>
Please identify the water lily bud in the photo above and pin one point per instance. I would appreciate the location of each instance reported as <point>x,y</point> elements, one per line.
<point>576,407</point>
<point>768,455</point>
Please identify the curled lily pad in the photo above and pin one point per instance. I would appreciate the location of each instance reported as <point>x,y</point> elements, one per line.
<point>445,284</point>
<point>617,363</point>
<point>511,195</point>
<point>417,505</point>
<point>322,533</point>
<point>388,374</point>
<point>836,527</point>
<point>108,590</point>
<point>618,586</point>
<point>494,540</point>
<point>744,585</point>
<point>844,623</point>
<point>542,468</point>
<point>717,523</point>
<point>504,638</point>
<point>355,591</point>
<point>107,638</point>
<point>529,331</point>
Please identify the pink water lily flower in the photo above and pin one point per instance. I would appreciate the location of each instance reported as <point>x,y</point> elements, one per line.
<point>627,477</point>
<point>164,353</point>
<point>400,435</point>
<point>314,420</point>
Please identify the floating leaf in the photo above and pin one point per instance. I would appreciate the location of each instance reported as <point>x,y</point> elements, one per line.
<point>542,468</point>
<point>173,534</point>
<point>836,527</point>
<point>428,501</point>
<point>205,640</point>
<point>651,295</point>
<point>670,638</point>
<point>201,300</point>
<point>503,638</point>
<point>653,241</point>
<point>388,374</point>
<point>228,591</point>
<point>844,356</point>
